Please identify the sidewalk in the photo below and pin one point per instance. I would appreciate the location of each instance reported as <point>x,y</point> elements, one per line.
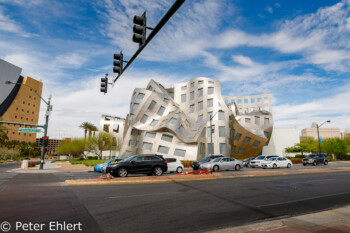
<point>54,168</point>
<point>330,221</point>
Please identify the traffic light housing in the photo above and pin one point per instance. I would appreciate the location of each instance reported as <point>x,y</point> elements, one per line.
<point>139,29</point>
<point>118,63</point>
<point>41,141</point>
<point>104,85</point>
<point>46,141</point>
<point>44,150</point>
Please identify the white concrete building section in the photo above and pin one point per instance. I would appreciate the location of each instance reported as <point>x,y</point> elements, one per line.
<point>280,139</point>
<point>114,125</point>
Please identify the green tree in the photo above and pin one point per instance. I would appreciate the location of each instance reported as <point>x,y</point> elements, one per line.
<point>88,127</point>
<point>3,134</point>
<point>75,147</point>
<point>336,147</point>
<point>104,141</point>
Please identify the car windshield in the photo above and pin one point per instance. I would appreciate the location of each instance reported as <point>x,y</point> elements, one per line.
<point>217,160</point>
<point>129,159</point>
<point>312,156</point>
<point>261,157</point>
<point>206,159</point>
<point>272,159</point>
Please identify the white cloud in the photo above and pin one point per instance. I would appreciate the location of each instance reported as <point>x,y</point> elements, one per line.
<point>243,60</point>
<point>10,25</point>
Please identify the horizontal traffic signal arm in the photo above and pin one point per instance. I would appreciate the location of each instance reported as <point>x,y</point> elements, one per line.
<point>156,29</point>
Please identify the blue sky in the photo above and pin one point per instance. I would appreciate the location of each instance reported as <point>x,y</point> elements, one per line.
<point>298,51</point>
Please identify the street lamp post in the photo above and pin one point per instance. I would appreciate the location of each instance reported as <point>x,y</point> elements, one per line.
<point>45,126</point>
<point>318,135</point>
<point>211,132</point>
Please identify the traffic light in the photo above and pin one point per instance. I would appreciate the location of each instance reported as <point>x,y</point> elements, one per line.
<point>104,84</point>
<point>44,150</point>
<point>46,141</point>
<point>139,29</point>
<point>118,63</point>
<point>41,141</point>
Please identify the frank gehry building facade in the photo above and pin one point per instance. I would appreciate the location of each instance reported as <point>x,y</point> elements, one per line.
<point>175,122</point>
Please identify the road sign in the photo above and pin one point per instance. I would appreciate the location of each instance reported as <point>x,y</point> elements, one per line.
<point>28,130</point>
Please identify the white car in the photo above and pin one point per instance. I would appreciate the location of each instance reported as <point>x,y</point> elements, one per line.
<point>222,164</point>
<point>258,160</point>
<point>174,165</point>
<point>276,162</point>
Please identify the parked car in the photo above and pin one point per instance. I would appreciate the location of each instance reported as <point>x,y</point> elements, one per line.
<point>222,164</point>
<point>315,159</point>
<point>276,162</point>
<point>258,160</point>
<point>174,165</point>
<point>98,167</point>
<point>247,161</point>
<point>196,164</point>
<point>145,164</point>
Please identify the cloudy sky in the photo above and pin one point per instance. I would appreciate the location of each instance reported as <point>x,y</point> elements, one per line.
<point>298,51</point>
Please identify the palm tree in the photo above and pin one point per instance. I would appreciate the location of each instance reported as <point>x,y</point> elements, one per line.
<point>88,127</point>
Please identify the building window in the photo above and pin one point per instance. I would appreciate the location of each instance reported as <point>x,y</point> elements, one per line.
<point>266,122</point>
<point>191,135</point>
<point>246,140</point>
<point>240,151</point>
<point>192,84</point>
<point>200,82</point>
<point>131,118</point>
<point>256,144</point>
<point>166,137</point>
<point>150,88</point>
<point>161,111</point>
<point>134,132</point>
<point>222,148</point>
<point>131,143</point>
<point>150,135</point>
<point>144,118</point>
<point>151,105</point>
<point>266,100</point>
<point>183,98</point>
<point>116,128</point>
<point>238,136</point>
<point>154,122</point>
<point>173,121</point>
<point>200,105</point>
<point>221,116</point>
<point>202,148</point>
<point>200,92</point>
<point>192,95</point>
<point>140,96</point>
<point>252,101</point>
<point>239,101</point>
<point>200,118</point>
<point>210,103</point>
<point>166,100</point>
<point>181,129</point>
<point>209,131</point>
<point>257,120</point>
<point>106,128</point>
<point>203,132</point>
<point>233,150</point>
<point>221,131</point>
<point>210,90</point>
<point>179,152</point>
<point>247,120</point>
<point>163,149</point>
<point>196,127</point>
<point>128,153</point>
<point>232,132</point>
<point>259,100</point>
<point>183,88</point>
<point>245,101</point>
<point>191,108</point>
<point>147,146</point>
<point>266,134</point>
<point>134,107</point>
<point>210,148</point>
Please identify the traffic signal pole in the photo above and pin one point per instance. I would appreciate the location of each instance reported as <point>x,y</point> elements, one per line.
<point>45,126</point>
<point>156,29</point>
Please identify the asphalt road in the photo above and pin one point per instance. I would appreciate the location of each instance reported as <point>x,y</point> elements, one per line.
<point>210,205</point>
<point>195,206</point>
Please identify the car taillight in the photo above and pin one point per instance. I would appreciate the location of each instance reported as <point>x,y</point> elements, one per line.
<point>165,161</point>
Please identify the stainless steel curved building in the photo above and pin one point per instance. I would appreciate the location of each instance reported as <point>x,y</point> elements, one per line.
<point>177,122</point>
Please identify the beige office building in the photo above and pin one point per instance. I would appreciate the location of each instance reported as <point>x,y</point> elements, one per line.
<point>323,131</point>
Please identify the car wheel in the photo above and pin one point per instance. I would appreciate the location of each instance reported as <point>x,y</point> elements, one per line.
<point>304,164</point>
<point>314,163</point>
<point>274,166</point>
<point>237,167</point>
<point>215,168</point>
<point>157,171</point>
<point>122,172</point>
<point>179,170</point>
<point>325,162</point>
<point>289,165</point>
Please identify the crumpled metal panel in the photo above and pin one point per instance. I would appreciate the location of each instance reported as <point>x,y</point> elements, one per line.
<point>174,122</point>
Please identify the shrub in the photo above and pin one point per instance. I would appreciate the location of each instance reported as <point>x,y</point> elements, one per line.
<point>8,154</point>
<point>300,156</point>
<point>92,157</point>
<point>186,163</point>
<point>296,160</point>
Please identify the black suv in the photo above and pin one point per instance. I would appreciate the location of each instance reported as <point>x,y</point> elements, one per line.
<point>146,164</point>
<point>196,164</point>
<point>315,159</point>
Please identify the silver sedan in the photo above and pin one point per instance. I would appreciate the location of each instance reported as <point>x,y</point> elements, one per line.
<point>222,164</point>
